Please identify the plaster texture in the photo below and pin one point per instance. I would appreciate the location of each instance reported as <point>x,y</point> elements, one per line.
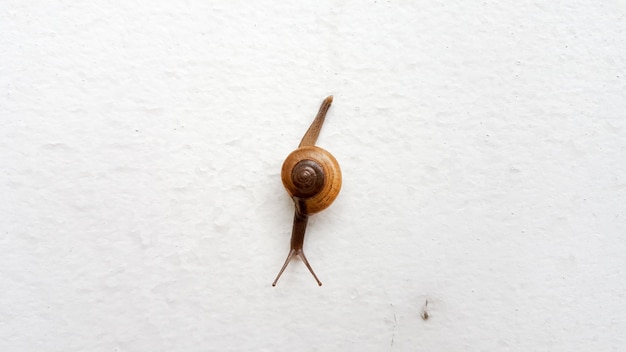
<point>484,172</point>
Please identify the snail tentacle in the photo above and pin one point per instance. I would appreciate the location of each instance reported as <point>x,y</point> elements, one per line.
<point>297,242</point>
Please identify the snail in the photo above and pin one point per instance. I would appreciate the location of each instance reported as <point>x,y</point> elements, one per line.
<point>312,177</point>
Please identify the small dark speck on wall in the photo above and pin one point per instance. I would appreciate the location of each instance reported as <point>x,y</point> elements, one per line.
<point>424,314</point>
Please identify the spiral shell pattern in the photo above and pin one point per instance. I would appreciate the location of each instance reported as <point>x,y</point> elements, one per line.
<point>311,176</point>
<point>308,177</point>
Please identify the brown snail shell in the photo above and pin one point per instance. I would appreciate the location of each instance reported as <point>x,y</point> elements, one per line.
<point>312,177</point>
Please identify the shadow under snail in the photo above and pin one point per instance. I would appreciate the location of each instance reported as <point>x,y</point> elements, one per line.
<point>312,177</point>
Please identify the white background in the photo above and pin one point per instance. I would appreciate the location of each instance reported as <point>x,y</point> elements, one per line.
<point>483,154</point>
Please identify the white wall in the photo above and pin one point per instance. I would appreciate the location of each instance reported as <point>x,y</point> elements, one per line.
<point>482,145</point>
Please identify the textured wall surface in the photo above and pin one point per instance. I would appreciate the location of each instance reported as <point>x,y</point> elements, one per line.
<point>482,145</point>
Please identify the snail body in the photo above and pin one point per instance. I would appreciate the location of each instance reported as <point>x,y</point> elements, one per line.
<point>312,178</point>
